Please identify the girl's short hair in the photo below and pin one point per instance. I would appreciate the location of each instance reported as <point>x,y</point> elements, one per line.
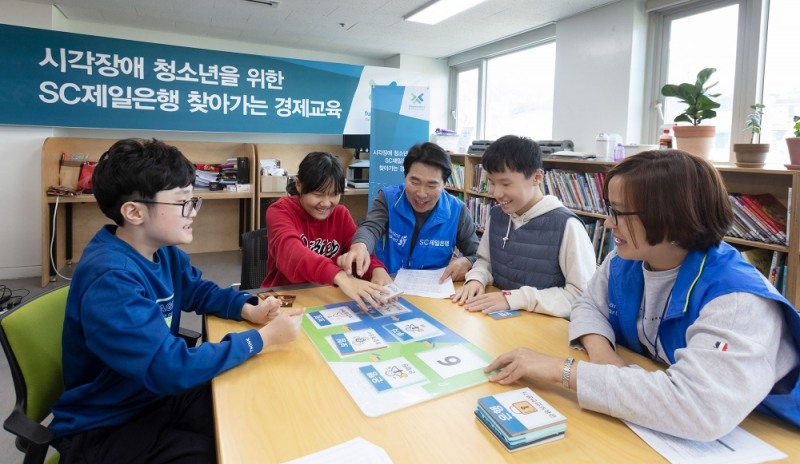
<point>680,197</point>
<point>319,172</point>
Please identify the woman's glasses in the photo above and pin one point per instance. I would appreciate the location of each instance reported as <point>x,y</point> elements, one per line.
<point>614,214</point>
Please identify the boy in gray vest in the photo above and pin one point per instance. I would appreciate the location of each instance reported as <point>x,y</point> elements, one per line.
<point>533,248</point>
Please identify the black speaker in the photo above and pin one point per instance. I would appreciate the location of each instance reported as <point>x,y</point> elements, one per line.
<point>243,169</point>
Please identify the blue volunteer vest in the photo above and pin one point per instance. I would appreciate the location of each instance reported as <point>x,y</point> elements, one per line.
<point>702,277</point>
<point>436,239</point>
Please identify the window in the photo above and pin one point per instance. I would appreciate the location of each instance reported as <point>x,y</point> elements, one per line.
<point>781,78</point>
<point>718,51</point>
<point>466,113</point>
<point>727,34</point>
<point>510,93</point>
<point>519,93</point>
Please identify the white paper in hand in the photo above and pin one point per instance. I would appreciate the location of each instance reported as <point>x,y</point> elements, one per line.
<point>424,283</point>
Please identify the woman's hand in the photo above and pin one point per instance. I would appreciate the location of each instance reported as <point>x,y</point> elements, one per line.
<point>524,363</point>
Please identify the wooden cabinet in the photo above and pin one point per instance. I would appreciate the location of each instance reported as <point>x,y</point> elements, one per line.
<point>783,184</point>
<point>224,216</point>
<point>68,223</point>
<point>290,157</point>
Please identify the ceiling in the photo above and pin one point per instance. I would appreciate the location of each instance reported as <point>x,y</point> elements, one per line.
<point>372,29</point>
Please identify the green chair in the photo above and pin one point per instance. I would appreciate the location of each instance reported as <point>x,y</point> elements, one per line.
<point>31,338</point>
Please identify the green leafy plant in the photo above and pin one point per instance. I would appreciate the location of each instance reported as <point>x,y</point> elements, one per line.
<point>696,96</point>
<point>797,126</point>
<point>754,122</point>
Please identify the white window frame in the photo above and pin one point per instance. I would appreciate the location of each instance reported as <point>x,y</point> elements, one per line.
<point>479,57</point>
<point>750,56</point>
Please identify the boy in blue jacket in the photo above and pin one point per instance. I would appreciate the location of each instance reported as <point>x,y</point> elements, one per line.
<point>134,391</point>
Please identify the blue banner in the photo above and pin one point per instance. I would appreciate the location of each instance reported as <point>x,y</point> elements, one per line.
<point>53,78</point>
<point>399,121</point>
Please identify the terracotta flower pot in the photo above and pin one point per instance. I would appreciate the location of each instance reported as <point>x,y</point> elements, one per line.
<point>750,155</point>
<point>794,150</point>
<point>697,140</point>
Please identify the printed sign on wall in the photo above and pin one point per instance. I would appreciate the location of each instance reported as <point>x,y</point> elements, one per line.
<point>53,78</point>
<point>399,121</point>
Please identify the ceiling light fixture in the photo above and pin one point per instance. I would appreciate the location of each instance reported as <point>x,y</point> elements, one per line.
<point>439,10</point>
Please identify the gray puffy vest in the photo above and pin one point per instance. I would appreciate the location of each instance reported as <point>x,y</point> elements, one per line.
<point>530,256</point>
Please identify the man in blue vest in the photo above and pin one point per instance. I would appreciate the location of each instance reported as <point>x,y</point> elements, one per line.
<point>417,224</point>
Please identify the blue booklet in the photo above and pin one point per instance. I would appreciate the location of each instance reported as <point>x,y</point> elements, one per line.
<point>520,412</point>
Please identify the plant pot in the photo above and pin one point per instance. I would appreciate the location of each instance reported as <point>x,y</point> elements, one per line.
<point>750,155</point>
<point>794,150</point>
<point>697,140</point>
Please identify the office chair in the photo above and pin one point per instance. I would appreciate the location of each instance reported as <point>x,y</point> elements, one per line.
<point>31,338</point>
<point>254,258</point>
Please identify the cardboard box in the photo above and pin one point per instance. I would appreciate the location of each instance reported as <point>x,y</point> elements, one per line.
<point>273,183</point>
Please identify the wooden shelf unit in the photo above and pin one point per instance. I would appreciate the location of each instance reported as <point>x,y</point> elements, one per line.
<point>784,184</point>
<point>224,216</point>
<point>290,156</point>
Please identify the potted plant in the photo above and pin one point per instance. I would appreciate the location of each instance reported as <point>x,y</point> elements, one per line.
<point>754,153</point>
<point>794,145</point>
<point>696,138</point>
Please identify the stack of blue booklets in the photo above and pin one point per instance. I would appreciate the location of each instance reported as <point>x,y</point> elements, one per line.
<point>520,419</point>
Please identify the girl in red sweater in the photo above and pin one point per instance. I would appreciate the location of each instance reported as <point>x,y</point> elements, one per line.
<point>308,230</point>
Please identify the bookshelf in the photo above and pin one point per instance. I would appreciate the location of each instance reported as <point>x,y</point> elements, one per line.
<point>781,183</point>
<point>225,215</point>
<point>290,156</point>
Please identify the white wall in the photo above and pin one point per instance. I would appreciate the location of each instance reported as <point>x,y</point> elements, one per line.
<point>600,57</point>
<point>20,150</point>
<point>437,73</point>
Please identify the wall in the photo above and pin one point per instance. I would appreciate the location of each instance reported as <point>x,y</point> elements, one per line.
<point>20,151</point>
<point>600,63</point>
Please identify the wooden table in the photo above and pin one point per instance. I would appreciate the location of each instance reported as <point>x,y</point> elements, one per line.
<point>286,402</point>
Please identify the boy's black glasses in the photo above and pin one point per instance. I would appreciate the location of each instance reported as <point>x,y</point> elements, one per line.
<point>614,214</point>
<point>187,206</point>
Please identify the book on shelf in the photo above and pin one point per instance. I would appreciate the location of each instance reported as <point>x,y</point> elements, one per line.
<point>760,217</point>
<point>456,179</point>
<point>771,211</point>
<point>760,258</point>
<point>520,419</point>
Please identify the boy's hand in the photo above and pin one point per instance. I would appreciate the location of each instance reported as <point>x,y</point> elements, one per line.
<point>487,303</point>
<point>467,292</point>
<point>266,310</point>
<point>357,255</point>
<point>457,269</point>
<point>282,329</point>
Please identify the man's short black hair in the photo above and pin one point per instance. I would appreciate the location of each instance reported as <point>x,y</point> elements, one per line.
<point>513,153</point>
<point>138,169</point>
<point>431,154</point>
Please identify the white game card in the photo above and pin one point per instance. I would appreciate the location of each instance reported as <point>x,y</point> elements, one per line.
<point>452,360</point>
<point>413,330</point>
<point>392,374</point>
<point>357,341</point>
<point>331,317</point>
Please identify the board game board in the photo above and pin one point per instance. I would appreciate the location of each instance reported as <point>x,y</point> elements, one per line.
<point>392,357</point>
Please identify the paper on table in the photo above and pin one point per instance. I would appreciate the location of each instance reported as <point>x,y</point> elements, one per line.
<point>424,283</point>
<point>355,451</point>
<point>739,447</point>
